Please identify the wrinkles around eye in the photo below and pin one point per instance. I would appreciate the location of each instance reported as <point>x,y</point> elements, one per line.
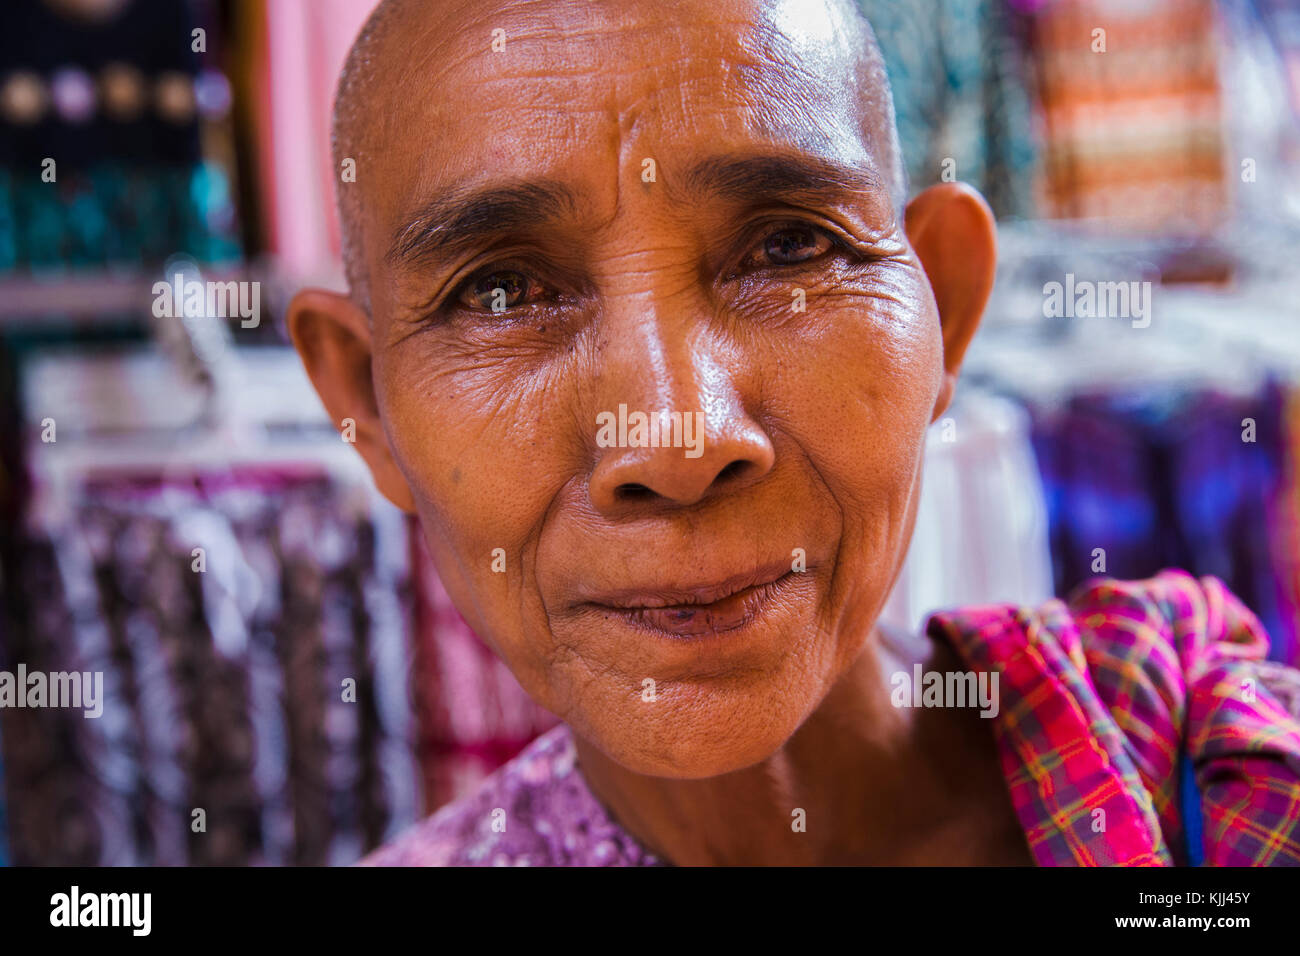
<point>756,261</point>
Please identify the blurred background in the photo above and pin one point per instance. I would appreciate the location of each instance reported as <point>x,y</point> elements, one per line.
<point>1142,141</point>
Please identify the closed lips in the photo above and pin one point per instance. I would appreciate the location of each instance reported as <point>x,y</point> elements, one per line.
<point>670,596</point>
<point>692,611</point>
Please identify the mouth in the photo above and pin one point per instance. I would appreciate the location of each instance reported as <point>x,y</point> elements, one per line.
<point>697,611</point>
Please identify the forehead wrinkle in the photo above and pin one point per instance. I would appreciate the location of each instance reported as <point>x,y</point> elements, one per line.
<point>773,66</point>
<point>534,33</point>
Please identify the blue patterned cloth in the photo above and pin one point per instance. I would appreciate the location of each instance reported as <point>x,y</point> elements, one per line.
<point>1153,478</point>
<point>960,95</point>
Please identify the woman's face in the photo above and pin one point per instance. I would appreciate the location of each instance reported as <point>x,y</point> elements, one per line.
<point>706,229</point>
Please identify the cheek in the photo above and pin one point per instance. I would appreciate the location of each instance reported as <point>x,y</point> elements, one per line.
<point>481,461</point>
<point>857,399</point>
<point>857,393</point>
<point>478,446</point>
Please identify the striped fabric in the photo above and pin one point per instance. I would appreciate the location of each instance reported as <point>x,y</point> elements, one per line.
<point>1100,694</point>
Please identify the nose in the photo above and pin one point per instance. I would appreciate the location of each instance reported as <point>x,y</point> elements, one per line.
<point>732,454</point>
<point>673,392</point>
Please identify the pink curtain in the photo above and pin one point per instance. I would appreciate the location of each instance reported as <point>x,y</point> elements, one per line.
<point>306,42</point>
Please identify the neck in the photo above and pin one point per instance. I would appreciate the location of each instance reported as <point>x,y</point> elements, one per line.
<point>874,783</point>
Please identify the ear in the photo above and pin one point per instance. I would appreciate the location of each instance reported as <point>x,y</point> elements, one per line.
<point>954,234</point>
<point>332,335</point>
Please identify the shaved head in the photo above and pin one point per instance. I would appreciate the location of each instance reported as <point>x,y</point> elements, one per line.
<point>385,55</point>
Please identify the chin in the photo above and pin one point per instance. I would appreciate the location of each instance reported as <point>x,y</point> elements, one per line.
<point>701,733</point>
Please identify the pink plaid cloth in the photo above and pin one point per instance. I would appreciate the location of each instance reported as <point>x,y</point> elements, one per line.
<point>1095,696</point>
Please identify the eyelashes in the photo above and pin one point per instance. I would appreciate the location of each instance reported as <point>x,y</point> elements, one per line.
<point>507,288</point>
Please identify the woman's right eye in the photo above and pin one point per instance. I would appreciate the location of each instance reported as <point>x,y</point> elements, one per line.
<point>498,291</point>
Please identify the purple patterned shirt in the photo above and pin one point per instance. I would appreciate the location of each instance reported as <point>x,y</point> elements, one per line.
<point>550,818</point>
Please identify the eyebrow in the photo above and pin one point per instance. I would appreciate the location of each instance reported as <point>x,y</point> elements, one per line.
<point>462,219</point>
<point>459,220</point>
<point>786,177</point>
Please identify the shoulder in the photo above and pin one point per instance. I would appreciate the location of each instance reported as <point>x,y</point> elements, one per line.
<point>1174,644</point>
<point>1140,645</point>
<point>535,810</point>
<point>1151,672</point>
<point>1159,653</point>
<point>1181,663</point>
<point>1188,623</point>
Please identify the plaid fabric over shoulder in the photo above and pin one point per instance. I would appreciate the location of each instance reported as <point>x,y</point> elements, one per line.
<point>1101,694</point>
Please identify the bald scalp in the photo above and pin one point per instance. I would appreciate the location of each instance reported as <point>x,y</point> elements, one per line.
<point>358,110</point>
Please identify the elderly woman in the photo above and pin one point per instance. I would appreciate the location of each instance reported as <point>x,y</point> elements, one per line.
<point>641,328</point>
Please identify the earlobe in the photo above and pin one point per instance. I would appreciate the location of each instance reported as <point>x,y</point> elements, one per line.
<point>332,336</point>
<point>954,234</point>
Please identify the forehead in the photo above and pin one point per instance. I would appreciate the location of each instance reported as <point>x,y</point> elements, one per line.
<point>584,92</point>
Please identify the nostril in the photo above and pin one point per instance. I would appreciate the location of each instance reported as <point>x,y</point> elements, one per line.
<point>734,470</point>
<point>633,492</point>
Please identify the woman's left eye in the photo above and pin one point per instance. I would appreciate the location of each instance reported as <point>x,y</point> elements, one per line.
<point>498,290</point>
<point>790,245</point>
